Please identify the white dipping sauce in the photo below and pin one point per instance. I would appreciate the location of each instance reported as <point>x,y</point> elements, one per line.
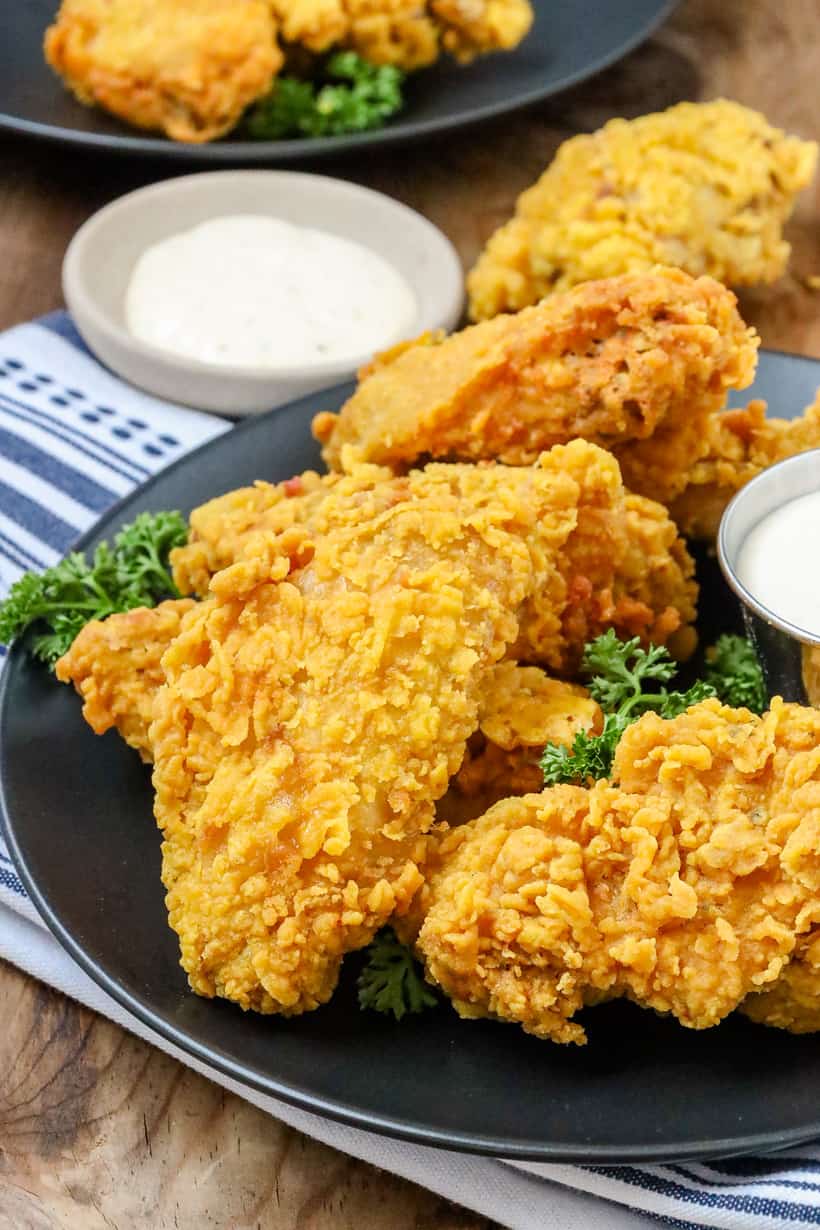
<point>774,563</point>
<point>252,291</point>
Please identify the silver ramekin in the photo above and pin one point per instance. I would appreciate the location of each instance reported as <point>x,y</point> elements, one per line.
<point>787,653</point>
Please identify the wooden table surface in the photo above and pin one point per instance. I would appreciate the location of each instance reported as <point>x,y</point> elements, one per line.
<point>96,1128</point>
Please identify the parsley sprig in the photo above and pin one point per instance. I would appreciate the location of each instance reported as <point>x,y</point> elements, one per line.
<point>627,681</point>
<point>355,96</point>
<point>733,670</point>
<point>391,981</point>
<point>63,599</point>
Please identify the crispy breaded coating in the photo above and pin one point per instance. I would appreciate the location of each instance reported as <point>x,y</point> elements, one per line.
<point>317,705</point>
<point>793,1003</point>
<point>399,32</point>
<point>623,567</point>
<point>520,711</point>
<point>703,186</point>
<point>636,364</point>
<point>685,886</point>
<point>220,528</point>
<point>474,27</point>
<point>188,70</point>
<point>115,666</point>
<point>739,444</point>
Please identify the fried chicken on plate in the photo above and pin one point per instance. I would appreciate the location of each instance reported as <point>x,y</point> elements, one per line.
<point>739,444</point>
<point>317,705</point>
<point>706,187</point>
<point>637,364</point>
<point>115,665</point>
<point>686,883</point>
<point>188,70</point>
<point>520,711</point>
<point>624,566</point>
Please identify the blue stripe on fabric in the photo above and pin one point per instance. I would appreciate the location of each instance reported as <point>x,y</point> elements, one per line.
<point>28,560</point>
<point>803,1185</point>
<point>761,1206</point>
<point>62,476</point>
<point>741,1167</point>
<point>61,323</point>
<point>37,519</point>
<point>9,551</point>
<point>9,880</point>
<point>70,435</point>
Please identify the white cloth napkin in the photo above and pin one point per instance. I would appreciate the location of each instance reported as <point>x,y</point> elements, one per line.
<point>73,438</point>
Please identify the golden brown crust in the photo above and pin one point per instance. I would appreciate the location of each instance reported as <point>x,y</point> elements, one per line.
<point>686,886</point>
<point>740,443</point>
<point>624,565</point>
<point>115,665</point>
<point>186,70</point>
<point>190,70</point>
<point>636,364</point>
<point>521,710</point>
<point>317,705</point>
<point>702,186</point>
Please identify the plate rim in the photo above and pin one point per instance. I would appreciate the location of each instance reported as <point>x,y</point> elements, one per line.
<point>214,1057</point>
<point>300,149</point>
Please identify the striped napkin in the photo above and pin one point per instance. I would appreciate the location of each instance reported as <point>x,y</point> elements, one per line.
<point>73,439</point>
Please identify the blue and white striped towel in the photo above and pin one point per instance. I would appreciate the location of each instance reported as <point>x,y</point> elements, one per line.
<point>74,438</point>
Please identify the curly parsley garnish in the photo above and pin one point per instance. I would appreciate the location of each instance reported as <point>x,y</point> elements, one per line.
<point>353,97</point>
<point>627,681</point>
<point>63,599</point>
<point>391,981</point>
<point>733,670</point>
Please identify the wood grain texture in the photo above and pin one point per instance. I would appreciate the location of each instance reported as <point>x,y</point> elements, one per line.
<point>98,1130</point>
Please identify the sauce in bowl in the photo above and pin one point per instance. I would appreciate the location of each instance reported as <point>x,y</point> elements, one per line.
<point>775,561</point>
<point>246,290</point>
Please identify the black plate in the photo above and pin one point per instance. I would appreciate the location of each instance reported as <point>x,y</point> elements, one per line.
<point>568,42</point>
<point>77,813</point>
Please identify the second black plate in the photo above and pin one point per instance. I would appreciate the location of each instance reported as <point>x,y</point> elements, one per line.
<point>568,43</point>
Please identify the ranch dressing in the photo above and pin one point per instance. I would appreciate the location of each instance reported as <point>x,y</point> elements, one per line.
<point>774,563</point>
<point>252,291</point>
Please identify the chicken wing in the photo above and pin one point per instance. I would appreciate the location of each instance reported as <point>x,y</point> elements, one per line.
<point>685,883</point>
<point>188,70</point>
<point>115,666</point>
<point>703,186</point>
<point>317,705</point>
<point>636,364</point>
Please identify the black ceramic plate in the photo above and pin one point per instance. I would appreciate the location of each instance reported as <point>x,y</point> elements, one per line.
<point>568,42</point>
<point>77,813</point>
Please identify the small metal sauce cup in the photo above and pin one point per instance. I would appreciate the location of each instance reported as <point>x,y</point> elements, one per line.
<point>787,652</point>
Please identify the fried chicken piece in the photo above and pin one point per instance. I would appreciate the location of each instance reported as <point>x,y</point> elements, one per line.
<point>471,28</point>
<point>521,710</point>
<point>685,886</point>
<point>636,364</point>
<point>793,1003</point>
<point>220,529</point>
<point>317,705</point>
<point>312,24</point>
<point>188,70</point>
<point>624,565</point>
<point>115,666</point>
<point>703,186</point>
<point>740,443</point>
<point>399,32</point>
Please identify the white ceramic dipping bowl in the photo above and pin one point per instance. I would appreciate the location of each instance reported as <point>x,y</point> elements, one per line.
<point>102,255</point>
